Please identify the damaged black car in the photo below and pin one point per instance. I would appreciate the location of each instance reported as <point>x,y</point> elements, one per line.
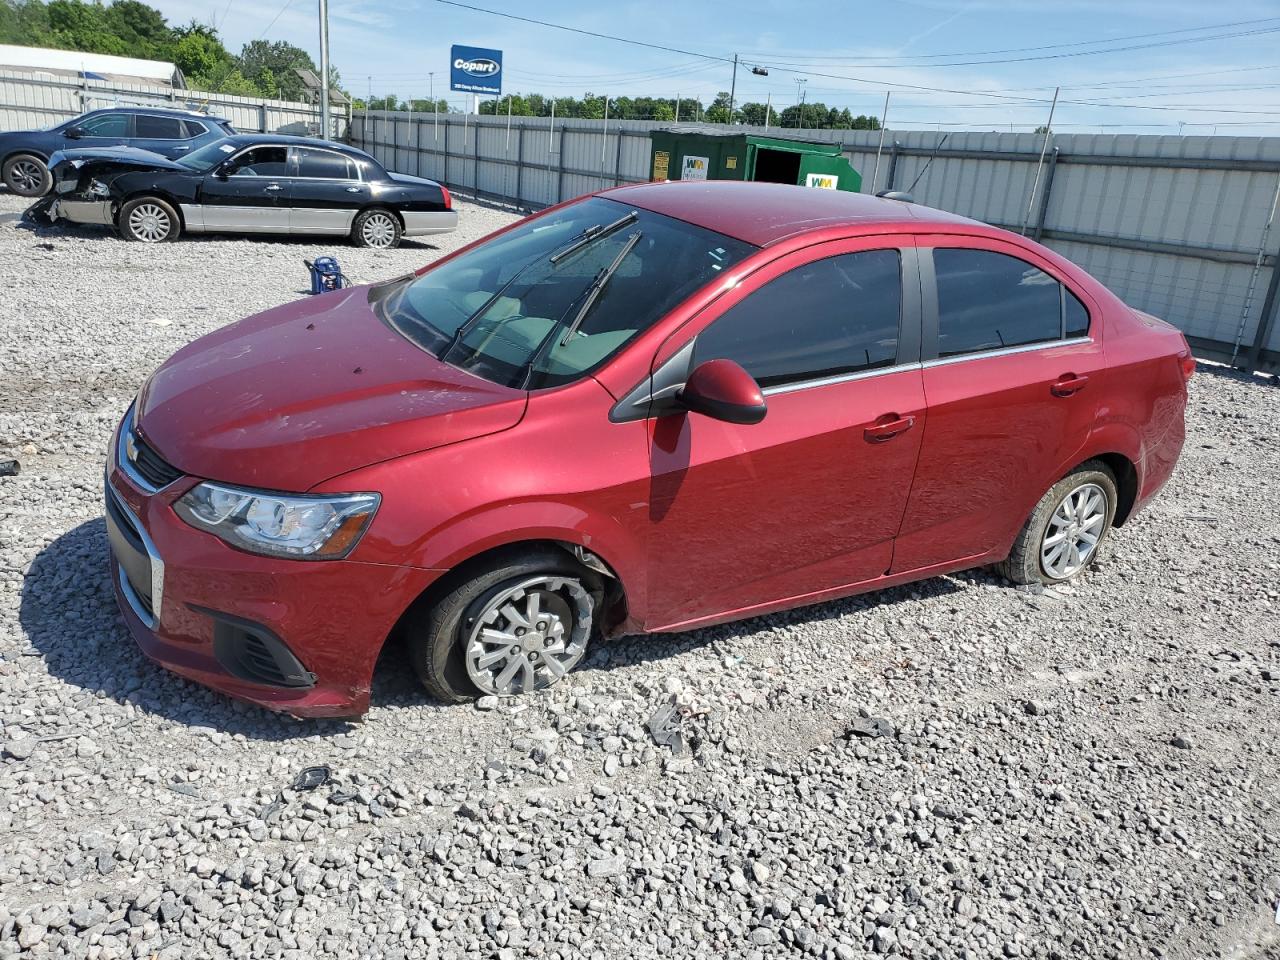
<point>250,183</point>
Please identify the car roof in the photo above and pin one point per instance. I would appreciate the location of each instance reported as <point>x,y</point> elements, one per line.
<point>249,139</point>
<point>139,108</point>
<point>768,213</point>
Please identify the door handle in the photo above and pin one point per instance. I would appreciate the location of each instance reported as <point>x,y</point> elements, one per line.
<point>180,149</point>
<point>353,189</point>
<point>1067,384</point>
<point>273,187</point>
<point>888,427</point>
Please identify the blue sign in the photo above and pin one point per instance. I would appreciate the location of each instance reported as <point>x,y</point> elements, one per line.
<point>475,70</point>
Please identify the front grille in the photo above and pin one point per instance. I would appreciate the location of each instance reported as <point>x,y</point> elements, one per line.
<point>150,465</point>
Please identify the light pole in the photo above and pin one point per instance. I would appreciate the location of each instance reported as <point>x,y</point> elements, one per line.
<point>431,89</point>
<point>324,69</point>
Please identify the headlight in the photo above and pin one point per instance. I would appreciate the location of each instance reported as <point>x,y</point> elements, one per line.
<point>98,189</point>
<point>320,527</point>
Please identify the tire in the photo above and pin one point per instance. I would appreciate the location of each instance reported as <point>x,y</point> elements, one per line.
<point>440,636</point>
<point>27,175</point>
<point>377,228</point>
<point>149,220</point>
<point>1042,552</point>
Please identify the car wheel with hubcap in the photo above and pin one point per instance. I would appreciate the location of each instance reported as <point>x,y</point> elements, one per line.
<point>149,220</point>
<point>378,229</point>
<point>27,176</point>
<point>517,625</point>
<point>1066,529</point>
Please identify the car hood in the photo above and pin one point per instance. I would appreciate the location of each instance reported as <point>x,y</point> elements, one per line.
<point>130,158</point>
<point>304,392</point>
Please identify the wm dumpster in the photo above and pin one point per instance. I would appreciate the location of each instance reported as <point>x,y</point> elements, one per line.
<point>695,154</point>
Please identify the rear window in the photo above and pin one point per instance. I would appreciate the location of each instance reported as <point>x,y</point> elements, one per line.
<point>989,301</point>
<point>506,312</point>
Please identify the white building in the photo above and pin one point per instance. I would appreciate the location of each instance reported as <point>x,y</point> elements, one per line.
<point>39,61</point>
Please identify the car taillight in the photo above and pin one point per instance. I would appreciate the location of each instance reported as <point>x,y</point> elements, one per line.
<point>1188,362</point>
<point>448,200</point>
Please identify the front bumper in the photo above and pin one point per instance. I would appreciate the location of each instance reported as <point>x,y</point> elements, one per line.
<point>217,615</point>
<point>98,212</point>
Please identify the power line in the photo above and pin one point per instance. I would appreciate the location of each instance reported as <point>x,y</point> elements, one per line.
<point>1049,46</point>
<point>287,5</point>
<point>585,33</point>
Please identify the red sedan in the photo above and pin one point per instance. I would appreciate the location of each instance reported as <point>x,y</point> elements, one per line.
<point>652,409</point>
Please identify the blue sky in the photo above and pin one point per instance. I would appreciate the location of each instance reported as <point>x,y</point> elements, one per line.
<point>1228,85</point>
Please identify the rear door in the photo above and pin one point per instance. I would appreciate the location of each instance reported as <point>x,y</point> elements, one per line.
<point>165,135</point>
<point>1012,376</point>
<point>327,191</point>
<point>810,499</point>
<point>251,194</point>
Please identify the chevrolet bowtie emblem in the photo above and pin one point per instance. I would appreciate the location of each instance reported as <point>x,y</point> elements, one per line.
<point>131,448</point>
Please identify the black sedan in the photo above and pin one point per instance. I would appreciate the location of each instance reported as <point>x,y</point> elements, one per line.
<point>251,183</point>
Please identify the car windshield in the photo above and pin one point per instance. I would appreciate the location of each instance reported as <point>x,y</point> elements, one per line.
<point>207,157</point>
<point>554,298</point>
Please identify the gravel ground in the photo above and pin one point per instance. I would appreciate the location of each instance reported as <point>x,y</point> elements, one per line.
<point>951,769</point>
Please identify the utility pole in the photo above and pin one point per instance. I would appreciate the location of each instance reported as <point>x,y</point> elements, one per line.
<point>800,82</point>
<point>768,106</point>
<point>733,87</point>
<point>677,108</point>
<point>324,69</point>
<point>431,88</point>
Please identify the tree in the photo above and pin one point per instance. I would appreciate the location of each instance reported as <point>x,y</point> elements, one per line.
<point>281,59</point>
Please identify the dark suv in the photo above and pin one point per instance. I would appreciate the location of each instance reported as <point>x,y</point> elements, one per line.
<point>24,154</point>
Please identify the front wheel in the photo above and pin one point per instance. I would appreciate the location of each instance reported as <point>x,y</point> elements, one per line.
<point>149,220</point>
<point>379,229</point>
<point>1066,529</point>
<point>516,626</point>
<point>27,175</point>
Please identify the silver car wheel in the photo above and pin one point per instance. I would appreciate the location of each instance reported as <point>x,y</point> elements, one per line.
<point>1073,532</point>
<point>26,175</point>
<point>378,231</point>
<point>149,223</point>
<point>529,635</point>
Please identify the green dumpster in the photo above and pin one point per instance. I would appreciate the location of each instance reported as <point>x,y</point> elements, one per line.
<point>696,154</point>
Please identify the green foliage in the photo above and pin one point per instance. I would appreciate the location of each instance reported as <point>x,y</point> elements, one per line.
<point>130,28</point>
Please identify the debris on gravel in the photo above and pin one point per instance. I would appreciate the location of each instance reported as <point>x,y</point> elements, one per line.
<point>949,769</point>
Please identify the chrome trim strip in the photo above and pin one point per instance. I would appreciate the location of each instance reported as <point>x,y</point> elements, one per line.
<point>842,378</point>
<point>1007,351</point>
<point>157,568</point>
<point>126,465</point>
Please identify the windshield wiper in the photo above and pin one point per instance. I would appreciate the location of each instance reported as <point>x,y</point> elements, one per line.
<point>598,285</point>
<point>592,234</point>
<point>588,236</point>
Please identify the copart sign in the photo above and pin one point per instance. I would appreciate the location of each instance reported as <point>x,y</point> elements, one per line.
<point>475,70</point>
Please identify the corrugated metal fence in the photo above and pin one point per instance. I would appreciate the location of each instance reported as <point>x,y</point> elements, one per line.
<point>29,102</point>
<point>1174,225</point>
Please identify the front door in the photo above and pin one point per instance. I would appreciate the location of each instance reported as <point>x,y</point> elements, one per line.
<point>251,193</point>
<point>102,130</point>
<point>810,499</point>
<point>1012,374</point>
<point>327,191</point>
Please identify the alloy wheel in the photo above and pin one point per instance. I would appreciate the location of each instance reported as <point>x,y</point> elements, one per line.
<point>529,635</point>
<point>25,176</point>
<point>1073,532</point>
<point>378,231</point>
<point>149,223</point>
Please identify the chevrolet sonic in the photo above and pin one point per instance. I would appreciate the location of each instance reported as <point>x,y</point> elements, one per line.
<point>652,409</point>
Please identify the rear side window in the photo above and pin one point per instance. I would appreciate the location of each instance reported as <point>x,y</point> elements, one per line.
<point>325,165</point>
<point>148,127</point>
<point>830,317</point>
<point>989,301</point>
<point>194,129</point>
<point>107,125</point>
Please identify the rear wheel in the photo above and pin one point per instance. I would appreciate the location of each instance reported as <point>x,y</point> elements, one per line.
<point>516,626</point>
<point>377,228</point>
<point>27,176</point>
<point>149,220</point>
<point>1066,529</point>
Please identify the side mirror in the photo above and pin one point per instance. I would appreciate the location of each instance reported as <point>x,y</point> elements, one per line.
<point>222,170</point>
<point>73,133</point>
<point>722,390</point>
